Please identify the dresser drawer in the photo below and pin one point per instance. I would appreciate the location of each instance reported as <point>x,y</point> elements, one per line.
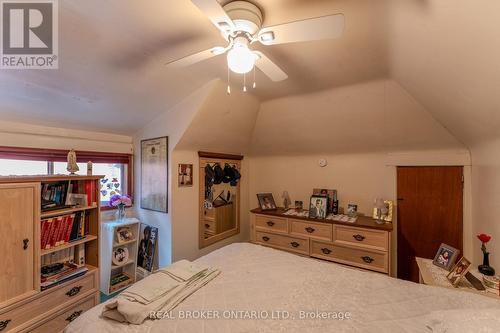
<point>61,320</point>
<point>322,231</point>
<point>361,237</point>
<point>295,244</point>
<point>369,259</point>
<point>268,223</point>
<point>49,300</point>
<point>210,225</point>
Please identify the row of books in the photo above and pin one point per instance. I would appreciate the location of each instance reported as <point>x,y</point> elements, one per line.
<point>56,274</point>
<point>73,255</point>
<point>58,194</point>
<point>60,230</point>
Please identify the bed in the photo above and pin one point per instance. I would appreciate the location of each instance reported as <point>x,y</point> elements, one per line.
<point>290,293</point>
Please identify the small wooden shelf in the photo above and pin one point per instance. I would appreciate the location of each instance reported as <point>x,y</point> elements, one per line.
<point>124,243</point>
<point>124,265</point>
<point>65,211</point>
<point>87,238</point>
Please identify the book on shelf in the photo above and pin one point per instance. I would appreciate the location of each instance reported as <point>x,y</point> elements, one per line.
<point>56,274</point>
<point>54,195</point>
<point>62,256</point>
<point>64,229</point>
<point>68,194</point>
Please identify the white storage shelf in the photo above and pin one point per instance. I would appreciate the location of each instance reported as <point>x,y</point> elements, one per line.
<point>109,242</point>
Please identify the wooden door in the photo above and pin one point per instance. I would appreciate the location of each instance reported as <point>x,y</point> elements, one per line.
<point>19,220</point>
<point>430,201</point>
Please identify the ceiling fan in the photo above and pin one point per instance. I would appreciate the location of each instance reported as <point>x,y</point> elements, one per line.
<point>240,23</point>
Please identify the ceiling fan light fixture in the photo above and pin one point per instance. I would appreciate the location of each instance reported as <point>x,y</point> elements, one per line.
<point>240,59</point>
<point>224,26</point>
<point>218,50</point>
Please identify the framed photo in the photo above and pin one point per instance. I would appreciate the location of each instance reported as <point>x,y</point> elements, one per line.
<point>446,256</point>
<point>154,174</point>
<point>120,256</point>
<point>147,247</point>
<point>318,206</point>
<point>352,210</point>
<point>124,234</point>
<point>331,194</point>
<point>185,175</point>
<point>266,201</point>
<point>459,271</point>
<point>299,205</point>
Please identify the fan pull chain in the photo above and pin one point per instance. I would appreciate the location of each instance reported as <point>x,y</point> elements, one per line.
<point>228,82</point>
<point>254,84</point>
<point>244,82</point>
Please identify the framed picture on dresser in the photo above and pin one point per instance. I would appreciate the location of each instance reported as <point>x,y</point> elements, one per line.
<point>318,207</point>
<point>445,256</point>
<point>266,201</point>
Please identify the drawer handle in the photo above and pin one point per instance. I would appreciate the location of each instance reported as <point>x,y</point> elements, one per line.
<point>368,259</point>
<point>207,225</point>
<point>326,251</point>
<point>25,243</point>
<point>74,315</point>
<point>294,244</point>
<point>265,238</point>
<point>74,291</point>
<point>270,223</point>
<point>358,237</point>
<point>4,323</point>
<point>310,230</point>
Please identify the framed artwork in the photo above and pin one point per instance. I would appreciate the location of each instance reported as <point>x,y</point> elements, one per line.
<point>445,256</point>
<point>352,210</point>
<point>154,174</point>
<point>318,206</point>
<point>185,176</point>
<point>124,234</point>
<point>266,201</point>
<point>331,194</point>
<point>459,271</point>
<point>299,205</point>
<point>147,247</point>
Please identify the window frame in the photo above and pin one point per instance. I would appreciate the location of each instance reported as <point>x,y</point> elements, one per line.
<point>82,156</point>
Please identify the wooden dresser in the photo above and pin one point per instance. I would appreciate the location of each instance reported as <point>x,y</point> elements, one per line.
<point>24,306</point>
<point>364,244</point>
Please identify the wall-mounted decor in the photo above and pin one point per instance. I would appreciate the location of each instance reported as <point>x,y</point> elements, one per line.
<point>185,175</point>
<point>154,174</point>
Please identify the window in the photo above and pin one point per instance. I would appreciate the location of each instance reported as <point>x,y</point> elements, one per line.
<point>116,168</point>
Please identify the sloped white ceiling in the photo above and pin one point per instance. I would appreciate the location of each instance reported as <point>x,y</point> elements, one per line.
<point>446,54</point>
<point>112,54</point>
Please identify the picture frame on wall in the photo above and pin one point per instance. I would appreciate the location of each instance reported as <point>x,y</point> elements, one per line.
<point>154,174</point>
<point>266,201</point>
<point>185,175</point>
<point>318,206</point>
<point>446,256</point>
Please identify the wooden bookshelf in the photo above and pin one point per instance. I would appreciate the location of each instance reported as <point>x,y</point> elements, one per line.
<point>20,279</point>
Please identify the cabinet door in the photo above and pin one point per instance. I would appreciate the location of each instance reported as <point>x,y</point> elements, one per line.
<point>19,243</point>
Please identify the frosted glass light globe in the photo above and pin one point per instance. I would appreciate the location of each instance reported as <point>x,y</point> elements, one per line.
<point>240,59</point>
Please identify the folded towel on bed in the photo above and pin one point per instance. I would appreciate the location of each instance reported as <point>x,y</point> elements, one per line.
<point>183,270</point>
<point>135,306</point>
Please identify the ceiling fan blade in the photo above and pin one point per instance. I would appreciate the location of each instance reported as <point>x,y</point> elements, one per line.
<point>270,68</point>
<point>325,27</point>
<point>196,57</point>
<point>213,10</point>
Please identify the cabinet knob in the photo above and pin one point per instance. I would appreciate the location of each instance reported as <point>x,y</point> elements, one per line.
<point>270,223</point>
<point>74,315</point>
<point>294,244</point>
<point>326,251</point>
<point>310,230</point>
<point>358,237</point>
<point>207,225</point>
<point>265,238</point>
<point>368,259</point>
<point>4,323</point>
<point>25,243</point>
<point>74,291</point>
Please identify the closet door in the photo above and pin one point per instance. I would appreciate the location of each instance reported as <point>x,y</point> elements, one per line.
<point>19,243</point>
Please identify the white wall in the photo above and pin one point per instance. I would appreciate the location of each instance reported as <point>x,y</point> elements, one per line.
<point>486,199</point>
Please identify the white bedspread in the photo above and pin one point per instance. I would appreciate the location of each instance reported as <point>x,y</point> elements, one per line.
<point>256,278</point>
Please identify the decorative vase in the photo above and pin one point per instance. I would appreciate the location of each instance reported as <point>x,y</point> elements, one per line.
<point>485,268</point>
<point>120,212</point>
